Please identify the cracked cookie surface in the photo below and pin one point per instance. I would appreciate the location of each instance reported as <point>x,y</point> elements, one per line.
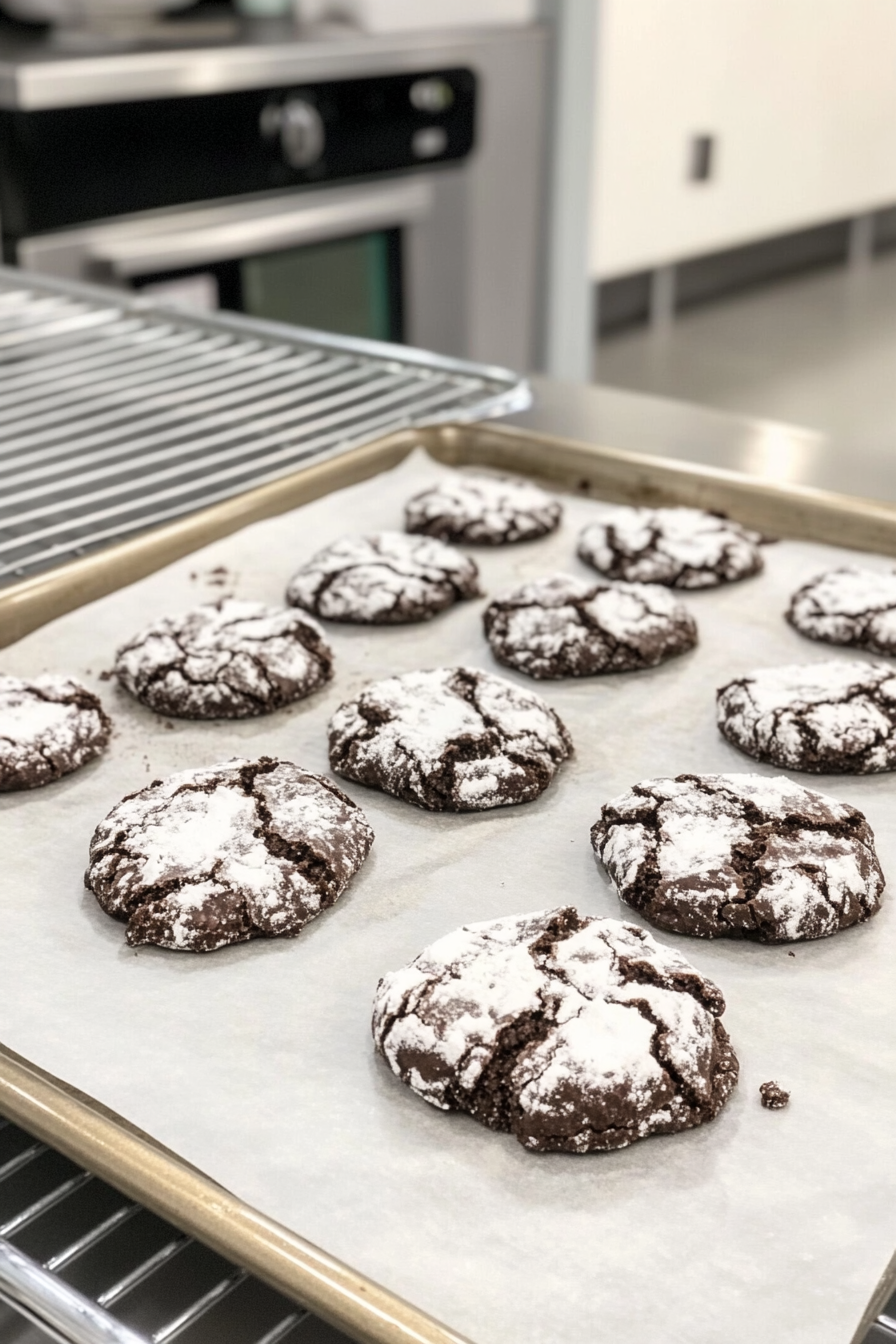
<point>451,739</point>
<point>483,511</point>
<point>575,1034</point>
<point>567,627</point>
<point>386,578</point>
<point>739,856</point>
<point>848,606</point>
<point>824,718</point>
<point>49,726</point>
<point>681,548</point>
<point>245,849</point>
<point>226,660</point>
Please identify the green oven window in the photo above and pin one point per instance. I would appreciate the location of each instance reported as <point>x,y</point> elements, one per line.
<point>351,286</point>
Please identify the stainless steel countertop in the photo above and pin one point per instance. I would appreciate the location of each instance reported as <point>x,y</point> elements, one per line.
<point>52,69</point>
<point>665,428</point>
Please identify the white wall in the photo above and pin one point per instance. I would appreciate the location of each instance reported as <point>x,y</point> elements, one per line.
<point>800,93</point>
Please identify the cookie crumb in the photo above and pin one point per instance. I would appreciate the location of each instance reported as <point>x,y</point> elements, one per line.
<point>166,723</point>
<point>107,674</point>
<point>773,1097</point>
<point>791,954</point>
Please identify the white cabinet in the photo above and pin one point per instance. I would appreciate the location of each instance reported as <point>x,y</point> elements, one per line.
<point>798,95</point>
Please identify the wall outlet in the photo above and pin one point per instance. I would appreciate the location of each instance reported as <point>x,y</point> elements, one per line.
<point>701,158</point>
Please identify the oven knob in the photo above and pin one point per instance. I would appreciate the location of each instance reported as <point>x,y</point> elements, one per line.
<point>302,135</point>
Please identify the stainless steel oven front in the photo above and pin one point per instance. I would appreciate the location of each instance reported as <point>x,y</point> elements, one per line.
<point>381,188</point>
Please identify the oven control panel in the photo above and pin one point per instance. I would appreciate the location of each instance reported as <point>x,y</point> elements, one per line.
<point>76,165</point>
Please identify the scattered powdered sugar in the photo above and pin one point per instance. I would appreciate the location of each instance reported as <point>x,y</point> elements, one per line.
<point>576,1034</point>
<point>740,856</point>
<point>385,578</point>
<point>229,659</point>
<point>219,855</point>
<point>820,717</point>
<point>848,606</point>
<point>682,548</point>
<point>49,726</point>
<point>449,739</point>
<point>561,626</point>
<point>483,509</point>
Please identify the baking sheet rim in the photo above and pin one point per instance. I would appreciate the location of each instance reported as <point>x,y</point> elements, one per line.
<point>107,1145</point>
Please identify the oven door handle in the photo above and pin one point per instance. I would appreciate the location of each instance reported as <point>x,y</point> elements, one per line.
<point>232,232</point>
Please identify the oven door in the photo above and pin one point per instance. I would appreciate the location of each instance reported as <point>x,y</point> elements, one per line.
<point>332,258</point>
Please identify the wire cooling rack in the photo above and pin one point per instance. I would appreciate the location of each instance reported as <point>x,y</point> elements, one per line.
<point>86,1265</point>
<point>118,414</point>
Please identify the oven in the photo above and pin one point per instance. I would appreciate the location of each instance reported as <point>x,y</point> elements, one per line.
<point>387,189</point>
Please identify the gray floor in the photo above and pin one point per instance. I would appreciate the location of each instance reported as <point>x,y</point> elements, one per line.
<point>817,350</point>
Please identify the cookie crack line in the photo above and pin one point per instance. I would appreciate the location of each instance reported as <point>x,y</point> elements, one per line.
<point>303,856</point>
<point>492,1099</point>
<point>158,677</point>
<point>681,1085</point>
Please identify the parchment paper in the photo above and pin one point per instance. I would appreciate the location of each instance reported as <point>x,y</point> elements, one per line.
<point>255,1063</point>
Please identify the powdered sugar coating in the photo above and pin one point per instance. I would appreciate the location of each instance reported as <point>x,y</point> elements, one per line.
<point>452,739</point>
<point>208,857</point>
<point>386,578</point>
<point>226,660</point>
<point>483,510</point>
<point>831,717</point>
<point>740,856</point>
<point>49,726</point>
<point>566,627</point>
<point>681,548</point>
<point>848,606</point>
<point>575,1034</point>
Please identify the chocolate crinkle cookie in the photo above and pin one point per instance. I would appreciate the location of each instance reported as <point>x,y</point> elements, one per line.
<point>567,627</point>
<point>681,548</point>
<point>824,718</point>
<point>483,511</point>
<point>739,856</point>
<point>848,606</point>
<point>386,578</point>
<point>451,740</point>
<point>577,1035</point>
<point>227,660</point>
<point>49,726</point>
<point>245,849</point>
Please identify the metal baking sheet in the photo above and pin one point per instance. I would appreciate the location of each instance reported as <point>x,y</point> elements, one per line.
<point>255,1063</point>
